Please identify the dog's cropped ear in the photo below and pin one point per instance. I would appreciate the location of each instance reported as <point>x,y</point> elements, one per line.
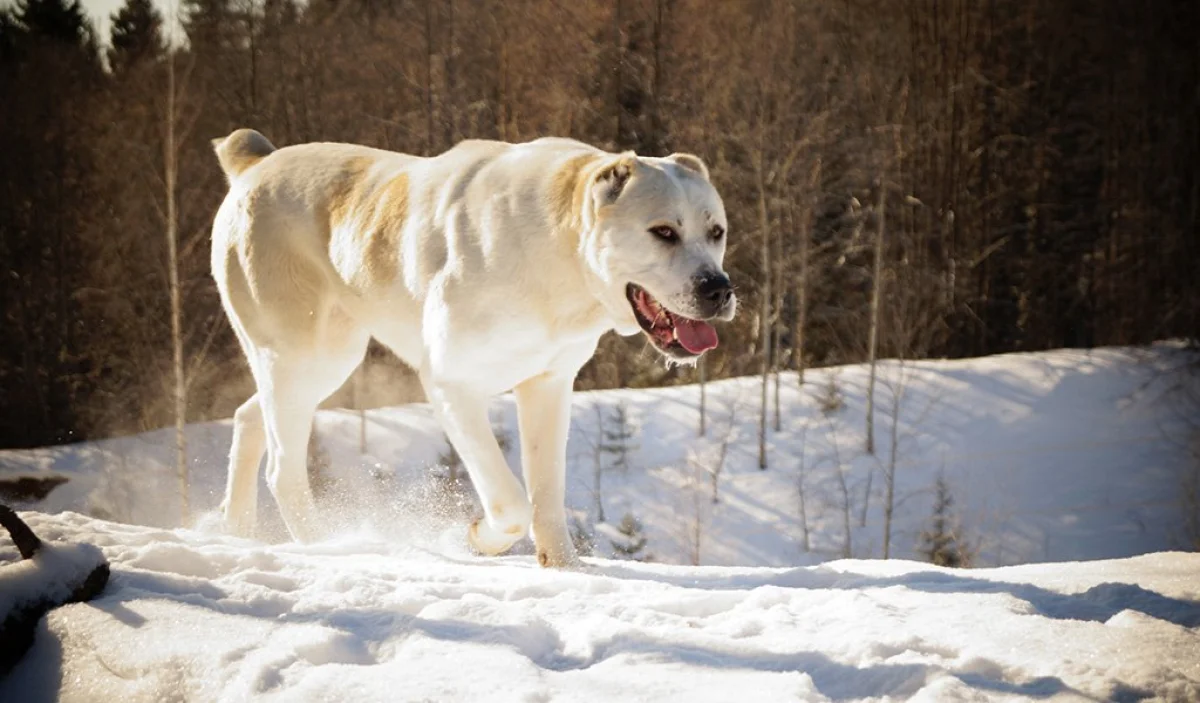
<point>612,178</point>
<point>691,162</point>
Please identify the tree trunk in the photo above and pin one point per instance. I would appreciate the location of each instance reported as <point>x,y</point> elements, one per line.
<point>597,489</point>
<point>697,522</point>
<point>802,489</point>
<point>889,500</point>
<point>802,280</point>
<point>844,489</point>
<point>873,334</point>
<point>866,504</point>
<point>657,137</point>
<point>171,165</point>
<point>777,327</point>
<point>618,70</point>
<point>430,147</point>
<point>451,110</point>
<point>502,79</point>
<point>765,308</point>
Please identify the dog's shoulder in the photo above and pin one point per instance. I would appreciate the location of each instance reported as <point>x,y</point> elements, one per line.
<point>544,149</point>
<point>563,144</point>
<point>552,171</point>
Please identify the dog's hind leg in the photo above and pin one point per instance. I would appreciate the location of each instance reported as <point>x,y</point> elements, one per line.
<point>294,383</point>
<point>241,489</point>
<point>240,506</point>
<point>507,513</point>
<point>292,388</point>
<point>288,416</point>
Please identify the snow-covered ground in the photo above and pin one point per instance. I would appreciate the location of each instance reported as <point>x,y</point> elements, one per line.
<point>190,616</point>
<point>1054,456</point>
<point>1057,457</point>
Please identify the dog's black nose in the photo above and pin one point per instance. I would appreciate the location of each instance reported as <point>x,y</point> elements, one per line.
<point>714,291</point>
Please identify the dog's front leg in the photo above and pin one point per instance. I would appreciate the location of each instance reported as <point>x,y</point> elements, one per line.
<point>464,416</point>
<point>544,416</point>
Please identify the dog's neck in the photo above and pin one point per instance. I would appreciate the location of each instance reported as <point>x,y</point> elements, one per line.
<point>574,217</point>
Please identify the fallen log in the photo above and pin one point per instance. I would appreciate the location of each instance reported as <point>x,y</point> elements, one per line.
<point>48,576</point>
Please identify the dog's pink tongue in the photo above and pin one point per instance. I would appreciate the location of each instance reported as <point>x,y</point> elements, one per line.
<point>694,335</point>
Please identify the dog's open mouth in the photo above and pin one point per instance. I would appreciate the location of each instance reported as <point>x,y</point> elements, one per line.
<point>673,334</point>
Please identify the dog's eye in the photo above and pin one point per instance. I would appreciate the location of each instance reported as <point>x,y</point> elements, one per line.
<point>716,233</point>
<point>665,233</point>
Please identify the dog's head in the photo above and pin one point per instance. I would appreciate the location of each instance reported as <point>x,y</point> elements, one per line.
<point>654,243</point>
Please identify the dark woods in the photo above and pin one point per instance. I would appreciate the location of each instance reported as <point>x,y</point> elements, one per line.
<point>1031,169</point>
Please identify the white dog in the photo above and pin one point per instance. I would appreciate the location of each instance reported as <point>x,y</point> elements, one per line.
<point>491,267</point>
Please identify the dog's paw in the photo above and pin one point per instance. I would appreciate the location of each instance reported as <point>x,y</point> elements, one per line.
<point>565,560</point>
<point>487,541</point>
<point>236,524</point>
<point>554,548</point>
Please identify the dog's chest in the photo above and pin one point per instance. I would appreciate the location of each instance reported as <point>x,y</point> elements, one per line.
<point>500,351</point>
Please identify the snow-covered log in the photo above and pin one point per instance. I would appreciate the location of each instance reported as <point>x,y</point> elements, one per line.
<point>48,575</point>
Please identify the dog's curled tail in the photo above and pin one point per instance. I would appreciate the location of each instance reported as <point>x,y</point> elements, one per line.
<point>241,150</point>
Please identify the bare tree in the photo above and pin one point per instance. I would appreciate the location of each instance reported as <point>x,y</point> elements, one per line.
<point>710,459</point>
<point>764,313</point>
<point>896,382</point>
<point>431,145</point>
<point>914,319</point>
<point>801,280</point>
<point>769,287</point>
<point>873,329</point>
<point>170,175</point>
<point>802,486</point>
<point>778,273</point>
<point>598,463</point>
<point>865,507</point>
<point>846,501</point>
<point>695,513</point>
<point>889,474</point>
